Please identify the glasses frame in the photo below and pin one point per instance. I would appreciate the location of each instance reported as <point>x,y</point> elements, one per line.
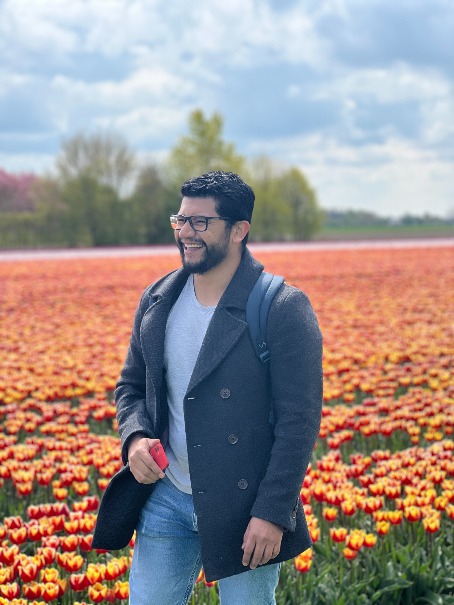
<point>199,216</point>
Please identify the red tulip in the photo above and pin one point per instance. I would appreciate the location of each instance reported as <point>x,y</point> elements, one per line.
<point>10,591</point>
<point>121,590</point>
<point>349,553</point>
<point>338,534</point>
<point>78,582</point>
<point>97,592</point>
<point>29,572</point>
<point>303,562</point>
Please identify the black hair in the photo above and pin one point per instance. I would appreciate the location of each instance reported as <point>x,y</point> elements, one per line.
<point>233,198</point>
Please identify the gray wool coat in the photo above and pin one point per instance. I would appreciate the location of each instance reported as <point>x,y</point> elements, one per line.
<point>241,464</point>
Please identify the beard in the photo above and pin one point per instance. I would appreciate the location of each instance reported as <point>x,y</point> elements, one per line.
<point>211,256</point>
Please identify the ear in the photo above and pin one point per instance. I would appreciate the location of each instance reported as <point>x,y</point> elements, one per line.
<point>239,231</point>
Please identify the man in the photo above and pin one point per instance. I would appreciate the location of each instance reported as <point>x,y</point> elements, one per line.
<point>238,433</point>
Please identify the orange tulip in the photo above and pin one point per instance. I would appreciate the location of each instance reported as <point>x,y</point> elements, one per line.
<point>95,573</point>
<point>32,591</point>
<point>121,590</point>
<point>441,502</point>
<point>87,524</point>
<point>382,527</point>
<point>370,540</point>
<point>97,592</point>
<point>10,591</point>
<point>370,505</point>
<point>103,483</point>
<point>201,578</point>
<point>69,543</point>
<point>349,553</point>
<point>338,534</point>
<point>24,489</point>
<point>85,542</point>
<point>78,582</point>
<point>71,527</point>
<point>392,491</point>
<point>47,554</point>
<point>431,524</point>
<point>53,590</point>
<point>394,517</point>
<point>8,554</point>
<point>303,562</point>
<point>49,574</point>
<point>412,514</point>
<point>348,507</point>
<point>355,540</point>
<point>329,513</point>
<point>28,573</point>
<point>7,574</point>
<point>13,522</point>
<point>315,533</point>
<point>18,536</point>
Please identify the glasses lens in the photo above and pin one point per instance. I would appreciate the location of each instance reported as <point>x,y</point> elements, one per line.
<point>199,223</point>
<point>176,222</point>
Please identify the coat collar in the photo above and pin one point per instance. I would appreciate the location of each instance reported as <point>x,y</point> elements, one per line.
<point>226,327</point>
<point>237,292</point>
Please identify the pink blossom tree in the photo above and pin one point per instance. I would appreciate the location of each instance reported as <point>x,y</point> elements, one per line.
<point>15,191</point>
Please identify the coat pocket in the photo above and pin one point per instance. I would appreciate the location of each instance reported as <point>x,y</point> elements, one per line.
<point>263,442</point>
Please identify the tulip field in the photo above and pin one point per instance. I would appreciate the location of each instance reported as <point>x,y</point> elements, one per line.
<point>379,493</point>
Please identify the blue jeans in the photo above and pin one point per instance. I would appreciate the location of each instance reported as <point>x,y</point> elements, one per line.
<point>167,560</point>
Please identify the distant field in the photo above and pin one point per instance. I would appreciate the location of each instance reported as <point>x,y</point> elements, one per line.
<point>411,231</point>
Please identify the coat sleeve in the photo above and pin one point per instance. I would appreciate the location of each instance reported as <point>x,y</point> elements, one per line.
<point>130,393</point>
<point>296,374</point>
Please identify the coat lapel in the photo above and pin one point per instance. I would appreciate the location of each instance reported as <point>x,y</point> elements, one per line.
<point>229,320</point>
<point>154,321</point>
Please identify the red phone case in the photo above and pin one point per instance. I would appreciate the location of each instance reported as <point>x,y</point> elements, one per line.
<point>159,456</point>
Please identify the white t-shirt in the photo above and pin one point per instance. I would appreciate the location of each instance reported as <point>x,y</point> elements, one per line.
<point>185,330</point>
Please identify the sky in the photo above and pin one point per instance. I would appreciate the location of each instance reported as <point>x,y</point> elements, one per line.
<point>356,93</point>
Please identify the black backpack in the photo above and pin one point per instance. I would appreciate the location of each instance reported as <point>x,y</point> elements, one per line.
<point>257,308</point>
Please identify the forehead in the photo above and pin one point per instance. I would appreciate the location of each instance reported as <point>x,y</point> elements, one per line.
<point>192,206</point>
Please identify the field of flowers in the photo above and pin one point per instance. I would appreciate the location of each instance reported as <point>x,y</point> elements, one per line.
<point>379,494</point>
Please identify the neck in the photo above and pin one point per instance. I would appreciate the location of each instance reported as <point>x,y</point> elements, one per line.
<point>210,286</point>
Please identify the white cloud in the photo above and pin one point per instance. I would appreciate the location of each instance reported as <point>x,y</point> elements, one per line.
<point>147,123</point>
<point>438,121</point>
<point>391,178</point>
<point>144,85</point>
<point>396,83</point>
<point>388,189</point>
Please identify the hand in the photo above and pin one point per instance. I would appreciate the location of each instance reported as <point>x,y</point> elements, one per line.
<point>142,465</point>
<point>262,542</point>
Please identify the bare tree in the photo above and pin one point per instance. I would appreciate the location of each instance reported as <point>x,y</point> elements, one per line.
<point>104,157</point>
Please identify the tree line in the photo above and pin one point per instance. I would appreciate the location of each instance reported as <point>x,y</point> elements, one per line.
<point>100,195</point>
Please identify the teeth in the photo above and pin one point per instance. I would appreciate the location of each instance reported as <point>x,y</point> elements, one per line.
<point>193,246</point>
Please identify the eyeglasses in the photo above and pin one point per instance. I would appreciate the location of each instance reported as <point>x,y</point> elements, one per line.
<point>198,223</point>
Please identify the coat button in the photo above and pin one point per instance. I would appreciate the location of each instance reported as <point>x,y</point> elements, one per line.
<point>242,484</point>
<point>233,439</point>
<point>225,393</point>
<point>294,514</point>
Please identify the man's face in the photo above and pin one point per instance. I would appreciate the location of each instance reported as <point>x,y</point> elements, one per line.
<point>202,250</point>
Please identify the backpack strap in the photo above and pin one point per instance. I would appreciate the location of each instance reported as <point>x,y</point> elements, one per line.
<point>257,308</point>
